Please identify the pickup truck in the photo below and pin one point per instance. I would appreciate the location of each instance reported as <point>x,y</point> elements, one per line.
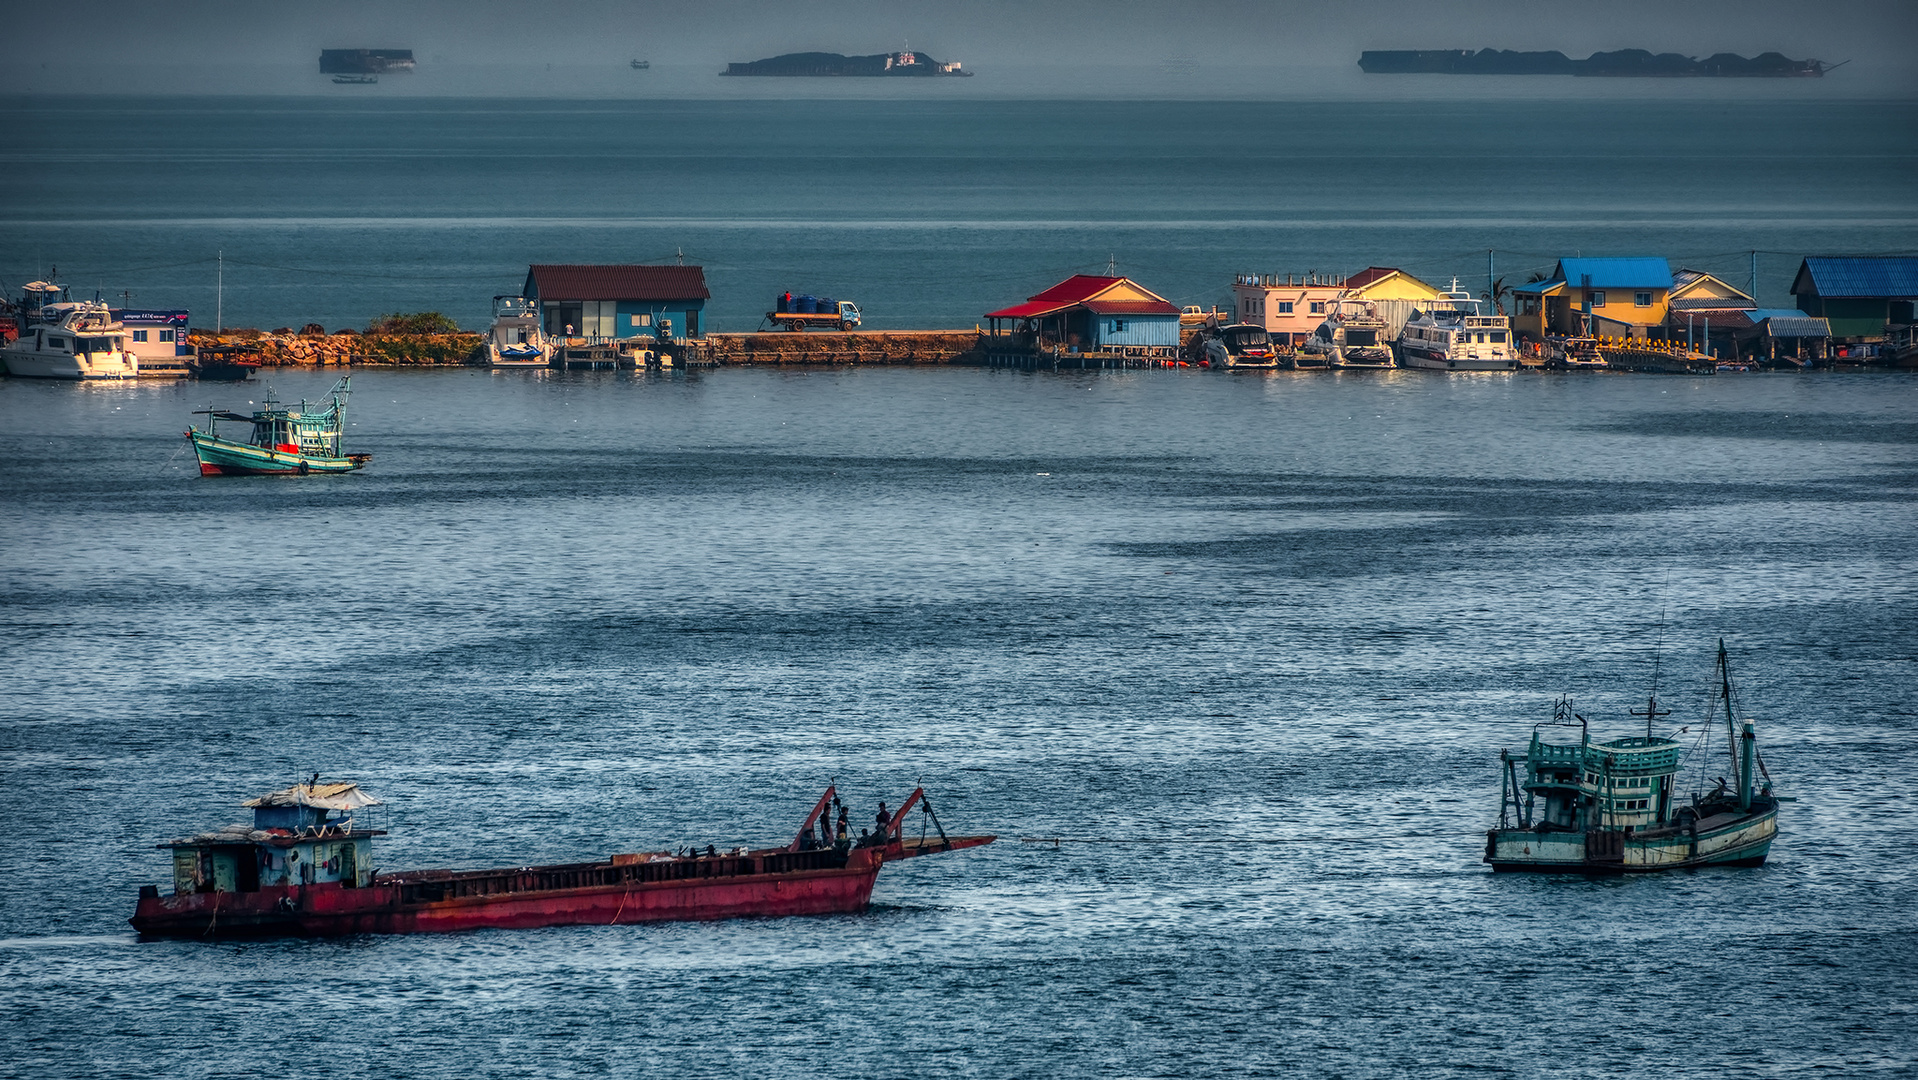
<point>842,315</point>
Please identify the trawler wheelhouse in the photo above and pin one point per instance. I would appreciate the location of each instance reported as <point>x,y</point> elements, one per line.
<point>1616,806</point>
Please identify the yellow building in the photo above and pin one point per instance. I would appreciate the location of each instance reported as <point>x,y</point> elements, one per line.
<point>1587,297</point>
<point>1388,283</point>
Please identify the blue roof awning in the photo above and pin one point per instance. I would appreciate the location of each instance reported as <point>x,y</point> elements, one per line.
<point>1632,273</point>
<point>1860,276</point>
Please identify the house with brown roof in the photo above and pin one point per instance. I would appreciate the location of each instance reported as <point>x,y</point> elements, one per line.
<point>605,303</point>
<point>1094,314</point>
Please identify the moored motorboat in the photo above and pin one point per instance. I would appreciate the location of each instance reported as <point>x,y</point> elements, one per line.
<point>1240,345</point>
<point>67,339</point>
<point>305,868</point>
<point>1452,334</point>
<point>1614,807</point>
<point>284,442</point>
<point>224,363</point>
<point>515,340</point>
<point>1352,336</point>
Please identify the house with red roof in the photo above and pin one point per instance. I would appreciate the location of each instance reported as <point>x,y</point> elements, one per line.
<point>1093,314</point>
<point>605,303</point>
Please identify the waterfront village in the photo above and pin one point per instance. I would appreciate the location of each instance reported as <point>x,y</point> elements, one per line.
<point>1623,314</point>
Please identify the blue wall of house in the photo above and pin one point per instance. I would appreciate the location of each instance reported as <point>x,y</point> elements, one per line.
<point>1161,330</point>
<point>681,312</point>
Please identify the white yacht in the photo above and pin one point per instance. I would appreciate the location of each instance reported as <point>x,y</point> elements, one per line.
<point>1352,336</point>
<point>66,339</point>
<point>514,340</point>
<point>1454,335</point>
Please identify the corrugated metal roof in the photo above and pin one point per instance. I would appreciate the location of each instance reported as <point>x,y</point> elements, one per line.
<point>1798,324</point>
<point>1858,276</point>
<point>1076,288</point>
<point>1031,309</point>
<point>1537,288</point>
<point>617,282</point>
<point>1642,272</point>
<point>1130,307</point>
<point>1369,275</point>
<point>1710,303</point>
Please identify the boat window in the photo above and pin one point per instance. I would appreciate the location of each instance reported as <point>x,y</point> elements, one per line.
<point>56,343</point>
<point>1498,337</point>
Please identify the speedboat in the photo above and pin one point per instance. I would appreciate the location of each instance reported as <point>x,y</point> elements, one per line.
<point>1454,334</point>
<point>66,339</point>
<point>514,340</point>
<point>1240,345</point>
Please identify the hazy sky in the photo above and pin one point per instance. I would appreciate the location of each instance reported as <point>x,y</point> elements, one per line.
<point>1232,48</point>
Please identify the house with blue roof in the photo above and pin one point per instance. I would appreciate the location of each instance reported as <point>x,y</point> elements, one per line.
<point>1616,297</point>
<point>1858,295</point>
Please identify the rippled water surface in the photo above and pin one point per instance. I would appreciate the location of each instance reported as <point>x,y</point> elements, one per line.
<point>1273,630</point>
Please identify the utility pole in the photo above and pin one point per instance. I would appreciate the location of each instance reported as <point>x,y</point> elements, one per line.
<point>1754,275</point>
<point>1491,285</point>
<point>219,293</point>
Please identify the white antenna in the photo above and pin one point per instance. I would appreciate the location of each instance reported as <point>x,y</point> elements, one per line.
<point>1111,259</point>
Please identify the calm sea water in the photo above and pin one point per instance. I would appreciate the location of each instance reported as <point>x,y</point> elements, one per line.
<point>564,616</point>
<point>1274,629</point>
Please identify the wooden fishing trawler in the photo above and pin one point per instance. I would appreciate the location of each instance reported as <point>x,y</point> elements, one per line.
<point>305,868</point>
<point>284,442</point>
<point>1614,807</point>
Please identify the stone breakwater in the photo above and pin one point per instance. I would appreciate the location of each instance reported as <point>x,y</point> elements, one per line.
<point>853,347</point>
<point>402,350</point>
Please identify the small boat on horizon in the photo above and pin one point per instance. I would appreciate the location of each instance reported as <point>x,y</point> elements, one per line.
<point>642,65</point>
<point>284,442</point>
<point>304,868</point>
<point>1615,808</point>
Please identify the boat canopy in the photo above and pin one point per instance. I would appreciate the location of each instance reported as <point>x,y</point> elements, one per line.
<point>318,796</point>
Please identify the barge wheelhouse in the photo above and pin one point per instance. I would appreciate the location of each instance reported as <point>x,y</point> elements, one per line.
<point>1615,807</point>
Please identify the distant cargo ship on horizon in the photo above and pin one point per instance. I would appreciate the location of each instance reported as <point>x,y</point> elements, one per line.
<point>824,64</point>
<point>1624,63</point>
<point>364,61</point>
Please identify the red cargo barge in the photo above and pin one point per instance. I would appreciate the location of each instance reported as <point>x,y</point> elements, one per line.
<point>305,869</point>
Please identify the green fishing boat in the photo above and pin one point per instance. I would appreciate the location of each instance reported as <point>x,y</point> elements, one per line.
<point>283,441</point>
<point>1615,807</point>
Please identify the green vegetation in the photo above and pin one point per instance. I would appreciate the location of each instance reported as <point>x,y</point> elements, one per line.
<point>420,322</point>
